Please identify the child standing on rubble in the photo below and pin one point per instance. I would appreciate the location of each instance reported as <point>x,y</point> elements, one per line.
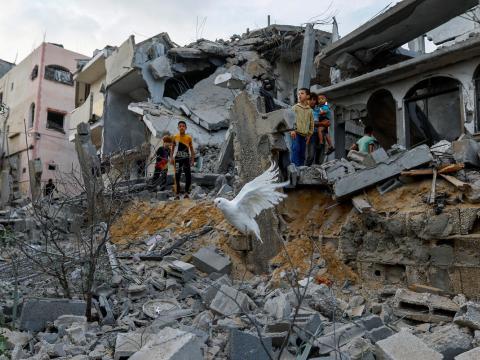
<point>303,128</point>
<point>324,123</point>
<point>183,157</point>
<point>159,177</point>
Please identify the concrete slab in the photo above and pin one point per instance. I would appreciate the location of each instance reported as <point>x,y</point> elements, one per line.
<point>405,346</point>
<point>229,301</point>
<point>469,355</point>
<point>350,184</point>
<point>37,312</point>
<point>246,346</point>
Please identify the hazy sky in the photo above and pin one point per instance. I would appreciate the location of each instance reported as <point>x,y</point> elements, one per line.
<point>84,25</point>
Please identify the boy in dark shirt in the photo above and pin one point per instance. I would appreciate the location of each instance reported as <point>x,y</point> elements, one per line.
<point>159,177</point>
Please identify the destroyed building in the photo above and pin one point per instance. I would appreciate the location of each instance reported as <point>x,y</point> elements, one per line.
<point>148,87</point>
<point>369,256</point>
<point>36,95</point>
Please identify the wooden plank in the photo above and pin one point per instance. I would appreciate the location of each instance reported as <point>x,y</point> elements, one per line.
<point>460,185</point>
<point>448,169</point>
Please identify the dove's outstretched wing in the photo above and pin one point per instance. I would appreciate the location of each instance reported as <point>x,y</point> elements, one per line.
<point>260,193</point>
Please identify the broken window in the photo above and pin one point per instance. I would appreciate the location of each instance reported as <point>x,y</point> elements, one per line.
<point>31,115</point>
<point>432,109</point>
<point>59,74</point>
<point>55,120</point>
<point>34,73</point>
<point>52,167</point>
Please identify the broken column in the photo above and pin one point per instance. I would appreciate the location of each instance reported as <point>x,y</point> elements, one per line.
<point>90,166</point>
<point>256,136</point>
<point>306,64</point>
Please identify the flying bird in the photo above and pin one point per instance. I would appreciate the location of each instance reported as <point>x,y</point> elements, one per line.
<point>256,196</point>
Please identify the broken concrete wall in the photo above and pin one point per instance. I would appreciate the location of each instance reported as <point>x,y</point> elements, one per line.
<point>117,119</point>
<point>120,61</point>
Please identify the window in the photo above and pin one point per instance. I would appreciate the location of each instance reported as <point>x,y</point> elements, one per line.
<point>52,167</point>
<point>55,121</point>
<point>31,115</point>
<point>59,74</point>
<point>34,73</point>
<point>11,86</point>
<point>1,97</point>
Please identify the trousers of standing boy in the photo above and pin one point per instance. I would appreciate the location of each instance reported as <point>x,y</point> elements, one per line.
<point>159,178</point>
<point>183,166</point>
<point>299,148</point>
<point>314,151</point>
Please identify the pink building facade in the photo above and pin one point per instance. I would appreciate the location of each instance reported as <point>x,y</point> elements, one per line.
<point>37,94</point>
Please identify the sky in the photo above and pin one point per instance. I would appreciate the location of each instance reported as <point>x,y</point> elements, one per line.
<point>85,25</point>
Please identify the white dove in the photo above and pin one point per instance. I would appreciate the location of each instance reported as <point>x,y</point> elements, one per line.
<point>256,196</point>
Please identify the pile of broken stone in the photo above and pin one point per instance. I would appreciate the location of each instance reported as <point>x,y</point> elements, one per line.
<point>190,307</point>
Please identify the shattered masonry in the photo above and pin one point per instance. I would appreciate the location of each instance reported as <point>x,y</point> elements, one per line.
<point>371,256</point>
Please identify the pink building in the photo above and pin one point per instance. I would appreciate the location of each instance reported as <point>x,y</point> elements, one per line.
<point>37,94</point>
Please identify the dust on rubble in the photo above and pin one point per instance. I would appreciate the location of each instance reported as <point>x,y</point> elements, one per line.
<point>297,254</point>
<point>310,214</point>
<point>182,217</point>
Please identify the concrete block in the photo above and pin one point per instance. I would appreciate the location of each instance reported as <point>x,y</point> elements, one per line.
<point>342,335</point>
<point>129,343</point>
<point>405,346</point>
<point>379,155</point>
<point>229,301</point>
<point>357,349</point>
<point>469,355</point>
<point>424,306</point>
<point>466,151</point>
<point>449,340</point>
<point>208,294</point>
<point>37,312</point>
<point>468,315</point>
<point>207,260</point>
<point>183,270</point>
<point>278,307</point>
<point>371,322</point>
<point>160,68</point>
<point>379,333</point>
<point>246,346</point>
<point>361,179</point>
<point>170,344</point>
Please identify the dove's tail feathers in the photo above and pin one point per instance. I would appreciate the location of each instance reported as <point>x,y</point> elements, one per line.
<point>256,231</point>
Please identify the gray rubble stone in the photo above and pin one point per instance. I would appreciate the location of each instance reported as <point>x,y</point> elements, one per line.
<point>209,293</point>
<point>246,346</point>
<point>466,151</point>
<point>405,346</point>
<point>468,315</point>
<point>129,343</point>
<point>208,261</point>
<point>340,336</point>
<point>14,338</point>
<point>278,307</point>
<point>37,312</point>
<point>469,355</point>
<point>379,333</point>
<point>357,349</point>
<point>449,340</point>
<point>227,301</point>
<point>170,344</point>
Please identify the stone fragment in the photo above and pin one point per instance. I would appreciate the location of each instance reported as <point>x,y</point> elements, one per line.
<point>129,343</point>
<point>278,307</point>
<point>469,355</point>
<point>449,340</point>
<point>340,336</point>
<point>184,270</point>
<point>208,261</point>
<point>379,333</point>
<point>466,151</point>
<point>229,301</point>
<point>170,344</point>
<point>14,338</point>
<point>246,346</point>
<point>405,346</point>
<point>358,349</point>
<point>208,294</point>
<point>37,312</point>
<point>468,315</point>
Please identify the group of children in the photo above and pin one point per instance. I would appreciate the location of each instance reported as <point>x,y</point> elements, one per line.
<point>311,131</point>
<point>178,151</point>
